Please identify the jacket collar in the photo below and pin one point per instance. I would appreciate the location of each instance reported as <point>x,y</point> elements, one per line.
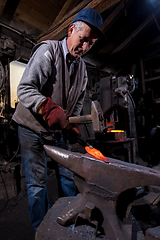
<point>67,55</point>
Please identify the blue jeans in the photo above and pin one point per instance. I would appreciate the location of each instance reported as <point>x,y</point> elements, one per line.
<point>34,164</point>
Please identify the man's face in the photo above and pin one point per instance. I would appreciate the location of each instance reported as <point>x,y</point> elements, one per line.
<point>80,42</point>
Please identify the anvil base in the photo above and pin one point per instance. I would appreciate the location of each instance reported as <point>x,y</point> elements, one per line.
<point>51,230</point>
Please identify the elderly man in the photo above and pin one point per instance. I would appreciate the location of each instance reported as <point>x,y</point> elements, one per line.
<point>51,89</point>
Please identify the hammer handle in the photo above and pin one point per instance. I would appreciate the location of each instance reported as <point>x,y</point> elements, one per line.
<point>81,119</point>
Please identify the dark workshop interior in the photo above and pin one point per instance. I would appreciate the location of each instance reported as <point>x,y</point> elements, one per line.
<point>123,81</point>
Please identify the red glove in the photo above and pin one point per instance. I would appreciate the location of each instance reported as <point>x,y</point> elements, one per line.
<point>53,114</point>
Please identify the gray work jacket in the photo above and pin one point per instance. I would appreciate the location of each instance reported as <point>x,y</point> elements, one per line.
<point>47,75</point>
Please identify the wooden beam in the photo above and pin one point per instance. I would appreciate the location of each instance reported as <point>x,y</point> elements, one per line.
<point>115,14</point>
<point>51,5</point>
<point>30,20</point>
<point>134,34</point>
<point>104,5</point>
<point>112,18</point>
<point>9,10</point>
<point>30,15</point>
<point>2,5</point>
<point>59,30</point>
<point>46,34</point>
<point>59,3</point>
<point>47,11</point>
<point>69,4</point>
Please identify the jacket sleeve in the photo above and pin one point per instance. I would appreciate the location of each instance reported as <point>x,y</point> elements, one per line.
<point>79,105</point>
<point>37,72</point>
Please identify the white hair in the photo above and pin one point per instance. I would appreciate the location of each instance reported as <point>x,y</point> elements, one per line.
<point>79,25</point>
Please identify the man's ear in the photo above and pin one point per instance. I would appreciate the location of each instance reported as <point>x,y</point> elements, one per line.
<point>70,29</point>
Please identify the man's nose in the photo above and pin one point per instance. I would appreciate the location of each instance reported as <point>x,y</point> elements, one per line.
<point>85,46</point>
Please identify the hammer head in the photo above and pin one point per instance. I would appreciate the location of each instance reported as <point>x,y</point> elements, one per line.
<point>97,117</point>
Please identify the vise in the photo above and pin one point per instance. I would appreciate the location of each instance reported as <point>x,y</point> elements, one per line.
<point>100,185</point>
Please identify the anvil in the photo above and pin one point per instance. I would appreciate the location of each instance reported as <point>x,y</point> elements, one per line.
<point>100,185</point>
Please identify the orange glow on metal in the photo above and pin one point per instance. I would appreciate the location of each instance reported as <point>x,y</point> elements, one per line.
<point>116,131</point>
<point>96,153</point>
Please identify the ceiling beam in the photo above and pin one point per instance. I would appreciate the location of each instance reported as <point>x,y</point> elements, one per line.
<point>69,4</point>
<point>9,10</point>
<point>32,19</point>
<point>48,34</point>
<point>104,5</point>
<point>122,6</point>
<point>137,31</point>
<point>47,9</point>
<point>2,5</point>
<point>134,34</point>
<point>59,30</point>
<point>113,17</point>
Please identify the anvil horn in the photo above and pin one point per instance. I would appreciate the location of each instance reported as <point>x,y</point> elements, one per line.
<point>101,183</point>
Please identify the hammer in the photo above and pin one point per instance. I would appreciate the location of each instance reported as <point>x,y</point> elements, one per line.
<point>96,117</point>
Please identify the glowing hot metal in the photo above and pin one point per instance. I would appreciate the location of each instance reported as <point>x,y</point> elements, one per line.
<point>91,150</point>
<point>96,153</point>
